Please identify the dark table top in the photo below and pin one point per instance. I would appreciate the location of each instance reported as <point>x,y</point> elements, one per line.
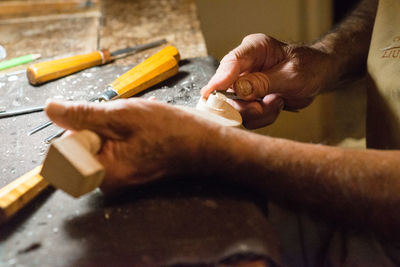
<point>190,220</point>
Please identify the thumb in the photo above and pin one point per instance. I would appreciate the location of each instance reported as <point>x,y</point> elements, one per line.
<point>81,115</point>
<point>255,85</point>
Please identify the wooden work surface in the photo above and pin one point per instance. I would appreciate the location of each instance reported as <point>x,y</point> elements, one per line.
<point>192,220</point>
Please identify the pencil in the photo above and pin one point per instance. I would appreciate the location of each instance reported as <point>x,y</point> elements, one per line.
<point>18,61</point>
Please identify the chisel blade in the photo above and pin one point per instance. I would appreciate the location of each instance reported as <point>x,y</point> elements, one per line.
<point>129,50</point>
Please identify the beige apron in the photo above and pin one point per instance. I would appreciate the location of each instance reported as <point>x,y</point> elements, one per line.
<point>383,109</point>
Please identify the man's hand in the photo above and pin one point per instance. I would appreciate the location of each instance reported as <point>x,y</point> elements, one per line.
<point>271,75</point>
<point>142,140</point>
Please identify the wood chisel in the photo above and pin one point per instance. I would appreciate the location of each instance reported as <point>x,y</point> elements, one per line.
<point>155,69</point>
<point>50,70</point>
<point>234,96</point>
<point>11,113</point>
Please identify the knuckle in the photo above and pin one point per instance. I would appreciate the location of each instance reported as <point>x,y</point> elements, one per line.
<point>245,49</point>
<point>231,56</point>
<point>299,57</point>
<point>119,117</point>
<point>256,37</point>
<point>250,45</point>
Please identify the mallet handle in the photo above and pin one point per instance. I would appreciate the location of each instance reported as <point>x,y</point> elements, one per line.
<point>21,191</point>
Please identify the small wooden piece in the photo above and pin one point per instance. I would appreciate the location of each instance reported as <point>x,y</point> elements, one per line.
<point>243,87</point>
<point>217,104</point>
<point>70,164</point>
<point>21,191</point>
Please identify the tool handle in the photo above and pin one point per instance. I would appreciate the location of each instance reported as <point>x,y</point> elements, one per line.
<point>20,192</point>
<point>153,70</point>
<point>87,139</point>
<point>46,71</point>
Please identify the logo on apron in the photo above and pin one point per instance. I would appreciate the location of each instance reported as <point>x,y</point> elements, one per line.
<point>392,50</point>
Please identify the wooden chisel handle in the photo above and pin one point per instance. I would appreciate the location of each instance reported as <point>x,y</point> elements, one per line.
<point>155,69</point>
<point>46,71</point>
<point>20,192</point>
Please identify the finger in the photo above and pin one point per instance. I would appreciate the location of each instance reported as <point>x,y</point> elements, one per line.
<point>82,115</point>
<point>298,103</point>
<point>279,79</point>
<point>257,114</point>
<point>244,58</point>
<point>226,74</point>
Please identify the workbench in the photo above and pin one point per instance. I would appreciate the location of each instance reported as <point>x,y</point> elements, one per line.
<point>188,221</point>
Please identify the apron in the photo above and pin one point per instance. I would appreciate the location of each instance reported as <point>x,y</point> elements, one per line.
<point>383,93</point>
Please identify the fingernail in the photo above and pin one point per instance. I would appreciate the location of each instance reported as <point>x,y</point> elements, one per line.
<point>204,92</point>
<point>243,87</point>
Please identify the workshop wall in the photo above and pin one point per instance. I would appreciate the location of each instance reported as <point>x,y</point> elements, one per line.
<point>225,22</point>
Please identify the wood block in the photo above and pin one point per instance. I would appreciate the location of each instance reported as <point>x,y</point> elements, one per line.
<point>217,109</point>
<point>70,164</point>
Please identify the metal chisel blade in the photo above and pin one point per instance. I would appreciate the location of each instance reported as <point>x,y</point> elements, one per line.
<point>12,113</point>
<point>129,50</point>
<point>233,96</point>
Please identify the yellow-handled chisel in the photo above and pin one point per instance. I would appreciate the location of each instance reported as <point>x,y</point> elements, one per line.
<point>50,70</point>
<point>153,70</point>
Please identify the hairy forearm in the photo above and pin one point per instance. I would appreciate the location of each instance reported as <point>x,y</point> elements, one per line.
<point>347,45</point>
<point>359,187</point>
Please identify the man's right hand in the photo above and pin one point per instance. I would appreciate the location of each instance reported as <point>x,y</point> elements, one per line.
<point>269,75</point>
